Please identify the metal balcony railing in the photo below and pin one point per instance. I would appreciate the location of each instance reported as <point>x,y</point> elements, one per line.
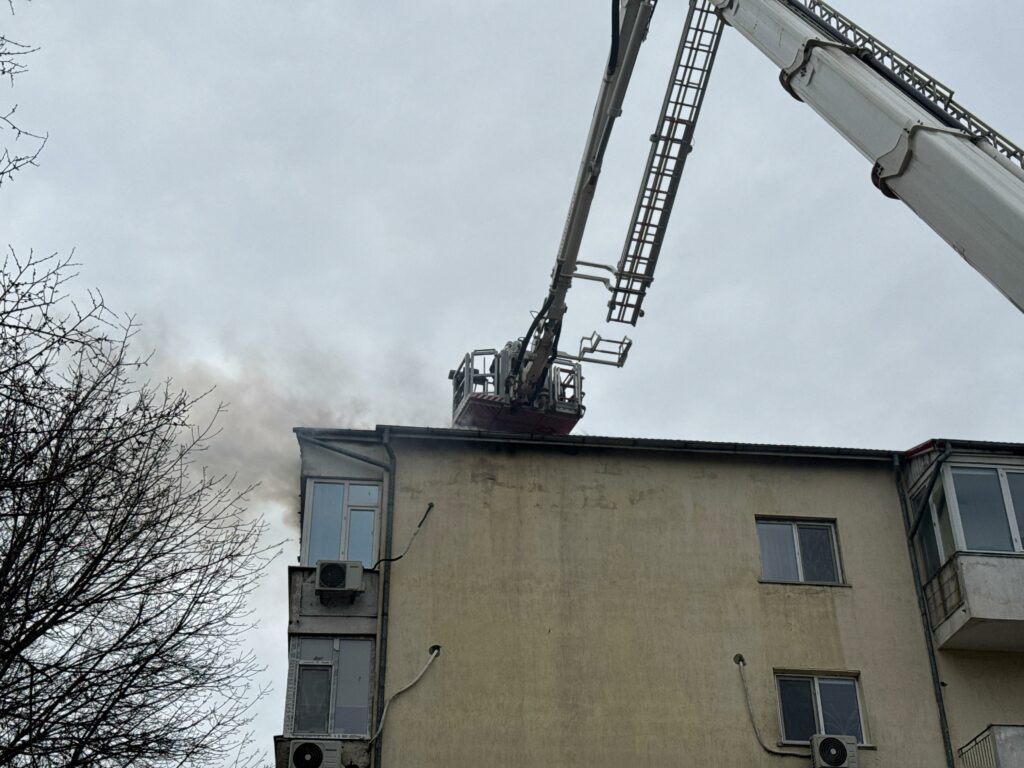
<point>943,593</point>
<point>979,752</point>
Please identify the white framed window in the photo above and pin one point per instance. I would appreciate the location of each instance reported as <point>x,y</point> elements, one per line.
<point>988,506</point>
<point>341,521</point>
<point>799,551</point>
<point>810,704</point>
<point>332,685</point>
<point>974,508</point>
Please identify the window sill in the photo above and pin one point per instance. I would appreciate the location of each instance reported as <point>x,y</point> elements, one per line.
<point>806,583</point>
<point>871,747</point>
<point>1014,554</point>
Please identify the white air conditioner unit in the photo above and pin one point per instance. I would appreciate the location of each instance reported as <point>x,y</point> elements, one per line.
<point>336,578</point>
<point>833,751</point>
<point>307,753</point>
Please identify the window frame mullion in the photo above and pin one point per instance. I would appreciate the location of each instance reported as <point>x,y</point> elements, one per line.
<point>1011,513</point>
<point>343,544</point>
<point>953,505</point>
<point>335,666</point>
<point>798,552</point>
<point>818,714</point>
<point>937,531</point>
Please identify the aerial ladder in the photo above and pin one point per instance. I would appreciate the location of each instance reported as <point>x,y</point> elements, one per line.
<point>957,173</point>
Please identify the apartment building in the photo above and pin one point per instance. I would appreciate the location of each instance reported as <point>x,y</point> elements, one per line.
<point>469,599</point>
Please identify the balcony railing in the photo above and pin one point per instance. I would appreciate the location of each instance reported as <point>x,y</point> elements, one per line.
<point>998,746</point>
<point>979,752</point>
<point>943,593</point>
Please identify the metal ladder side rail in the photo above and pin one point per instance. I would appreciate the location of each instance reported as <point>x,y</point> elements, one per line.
<point>670,145</point>
<point>903,70</point>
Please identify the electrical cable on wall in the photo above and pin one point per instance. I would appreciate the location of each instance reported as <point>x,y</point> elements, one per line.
<point>742,663</point>
<point>435,651</point>
<point>412,538</point>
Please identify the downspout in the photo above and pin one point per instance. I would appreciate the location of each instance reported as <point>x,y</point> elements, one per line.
<point>922,604</point>
<point>385,590</point>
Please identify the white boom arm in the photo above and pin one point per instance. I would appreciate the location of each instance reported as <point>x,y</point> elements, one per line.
<point>955,180</point>
<point>634,17</point>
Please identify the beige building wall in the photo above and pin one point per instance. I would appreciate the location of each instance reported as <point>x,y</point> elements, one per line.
<point>590,602</point>
<point>981,688</point>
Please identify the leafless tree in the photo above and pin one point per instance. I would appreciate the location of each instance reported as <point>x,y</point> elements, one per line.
<point>124,565</point>
<point>18,147</point>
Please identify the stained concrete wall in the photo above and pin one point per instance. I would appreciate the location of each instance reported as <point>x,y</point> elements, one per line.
<point>590,603</point>
<point>981,688</point>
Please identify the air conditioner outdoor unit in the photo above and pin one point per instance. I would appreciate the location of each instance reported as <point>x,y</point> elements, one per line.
<point>314,754</point>
<point>833,751</point>
<point>335,578</point>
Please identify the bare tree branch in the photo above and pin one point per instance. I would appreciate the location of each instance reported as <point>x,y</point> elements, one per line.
<point>13,56</point>
<point>125,567</point>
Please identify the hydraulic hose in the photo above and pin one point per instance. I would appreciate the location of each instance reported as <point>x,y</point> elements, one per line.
<point>613,56</point>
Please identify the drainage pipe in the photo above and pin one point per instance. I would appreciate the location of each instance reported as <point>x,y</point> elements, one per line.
<point>385,590</point>
<point>922,606</point>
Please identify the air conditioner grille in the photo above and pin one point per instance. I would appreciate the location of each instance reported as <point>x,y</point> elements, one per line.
<point>833,752</point>
<point>332,575</point>
<point>307,755</point>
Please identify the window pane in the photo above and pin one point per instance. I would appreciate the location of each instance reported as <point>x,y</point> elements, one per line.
<point>360,536</point>
<point>945,528</point>
<point>325,527</point>
<point>927,549</point>
<point>352,701</point>
<point>363,494</point>
<point>316,649</point>
<point>982,513</point>
<point>840,711</point>
<point>312,699</point>
<point>817,553</point>
<point>1016,482</point>
<point>798,718</point>
<point>778,553</point>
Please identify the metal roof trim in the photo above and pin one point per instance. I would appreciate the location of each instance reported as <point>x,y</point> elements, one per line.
<point>593,441</point>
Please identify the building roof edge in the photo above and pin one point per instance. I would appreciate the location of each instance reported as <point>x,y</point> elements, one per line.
<point>592,441</point>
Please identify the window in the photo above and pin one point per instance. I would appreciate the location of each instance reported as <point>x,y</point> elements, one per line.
<point>794,550</point>
<point>341,521</point>
<point>811,704</point>
<point>972,508</point>
<point>985,499</point>
<point>332,685</point>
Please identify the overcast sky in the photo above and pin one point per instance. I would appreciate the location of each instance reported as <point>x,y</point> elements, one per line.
<point>319,207</point>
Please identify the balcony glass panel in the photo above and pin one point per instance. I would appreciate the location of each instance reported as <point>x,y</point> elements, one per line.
<point>325,527</point>
<point>313,699</point>
<point>352,708</point>
<point>982,513</point>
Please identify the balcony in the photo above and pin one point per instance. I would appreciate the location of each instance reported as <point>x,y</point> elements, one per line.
<point>998,746</point>
<point>976,602</point>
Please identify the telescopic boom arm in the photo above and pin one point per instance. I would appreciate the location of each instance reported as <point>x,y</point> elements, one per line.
<point>957,173</point>
<point>961,177</point>
<point>633,17</point>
